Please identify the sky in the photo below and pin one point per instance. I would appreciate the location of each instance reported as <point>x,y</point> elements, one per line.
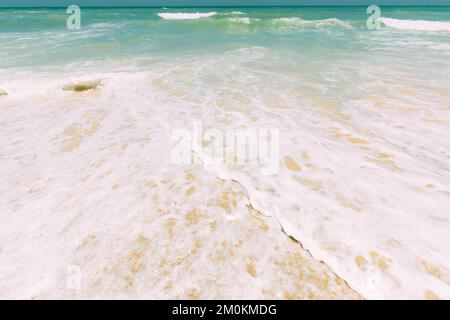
<point>128,3</point>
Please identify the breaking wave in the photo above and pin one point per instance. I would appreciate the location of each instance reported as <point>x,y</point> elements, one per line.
<point>299,22</point>
<point>185,16</point>
<point>420,25</point>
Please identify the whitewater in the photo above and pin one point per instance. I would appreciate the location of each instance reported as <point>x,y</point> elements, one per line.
<point>93,205</point>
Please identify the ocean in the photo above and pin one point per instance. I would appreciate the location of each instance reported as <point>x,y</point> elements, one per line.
<point>90,183</point>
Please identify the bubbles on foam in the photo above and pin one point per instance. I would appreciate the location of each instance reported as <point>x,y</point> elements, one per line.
<point>419,25</point>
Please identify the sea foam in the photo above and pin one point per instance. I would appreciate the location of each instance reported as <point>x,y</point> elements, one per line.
<point>244,20</point>
<point>420,25</point>
<point>185,16</point>
<point>321,23</point>
<point>363,180</point>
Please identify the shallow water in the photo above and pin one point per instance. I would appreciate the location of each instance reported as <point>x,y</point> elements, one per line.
<point>364,115</point>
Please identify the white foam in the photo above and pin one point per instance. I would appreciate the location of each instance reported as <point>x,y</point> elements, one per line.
<point>244,20</point>
<point>185,15</point>
<point>373,185</point>
<point>321,23</point>
<point>233,13</point>
<point>420,25</point>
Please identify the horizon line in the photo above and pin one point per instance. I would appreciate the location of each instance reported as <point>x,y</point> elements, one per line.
<point>247,6</point>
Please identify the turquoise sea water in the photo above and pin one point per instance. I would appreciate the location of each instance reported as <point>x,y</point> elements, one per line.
<point>364,143</point>
<point>39,36</point>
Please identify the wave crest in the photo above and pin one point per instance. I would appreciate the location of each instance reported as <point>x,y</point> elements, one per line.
<point>244,20</point>
<point>420,25</point>
<point>233,13</point>
<point>299,22</point>
<point>185,15</point>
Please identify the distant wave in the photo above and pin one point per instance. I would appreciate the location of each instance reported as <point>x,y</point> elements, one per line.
<point>185,16</point>
<point>298,22</point>
<point>233,13</point>
<point>244,20</point>
<point>421,25</point>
